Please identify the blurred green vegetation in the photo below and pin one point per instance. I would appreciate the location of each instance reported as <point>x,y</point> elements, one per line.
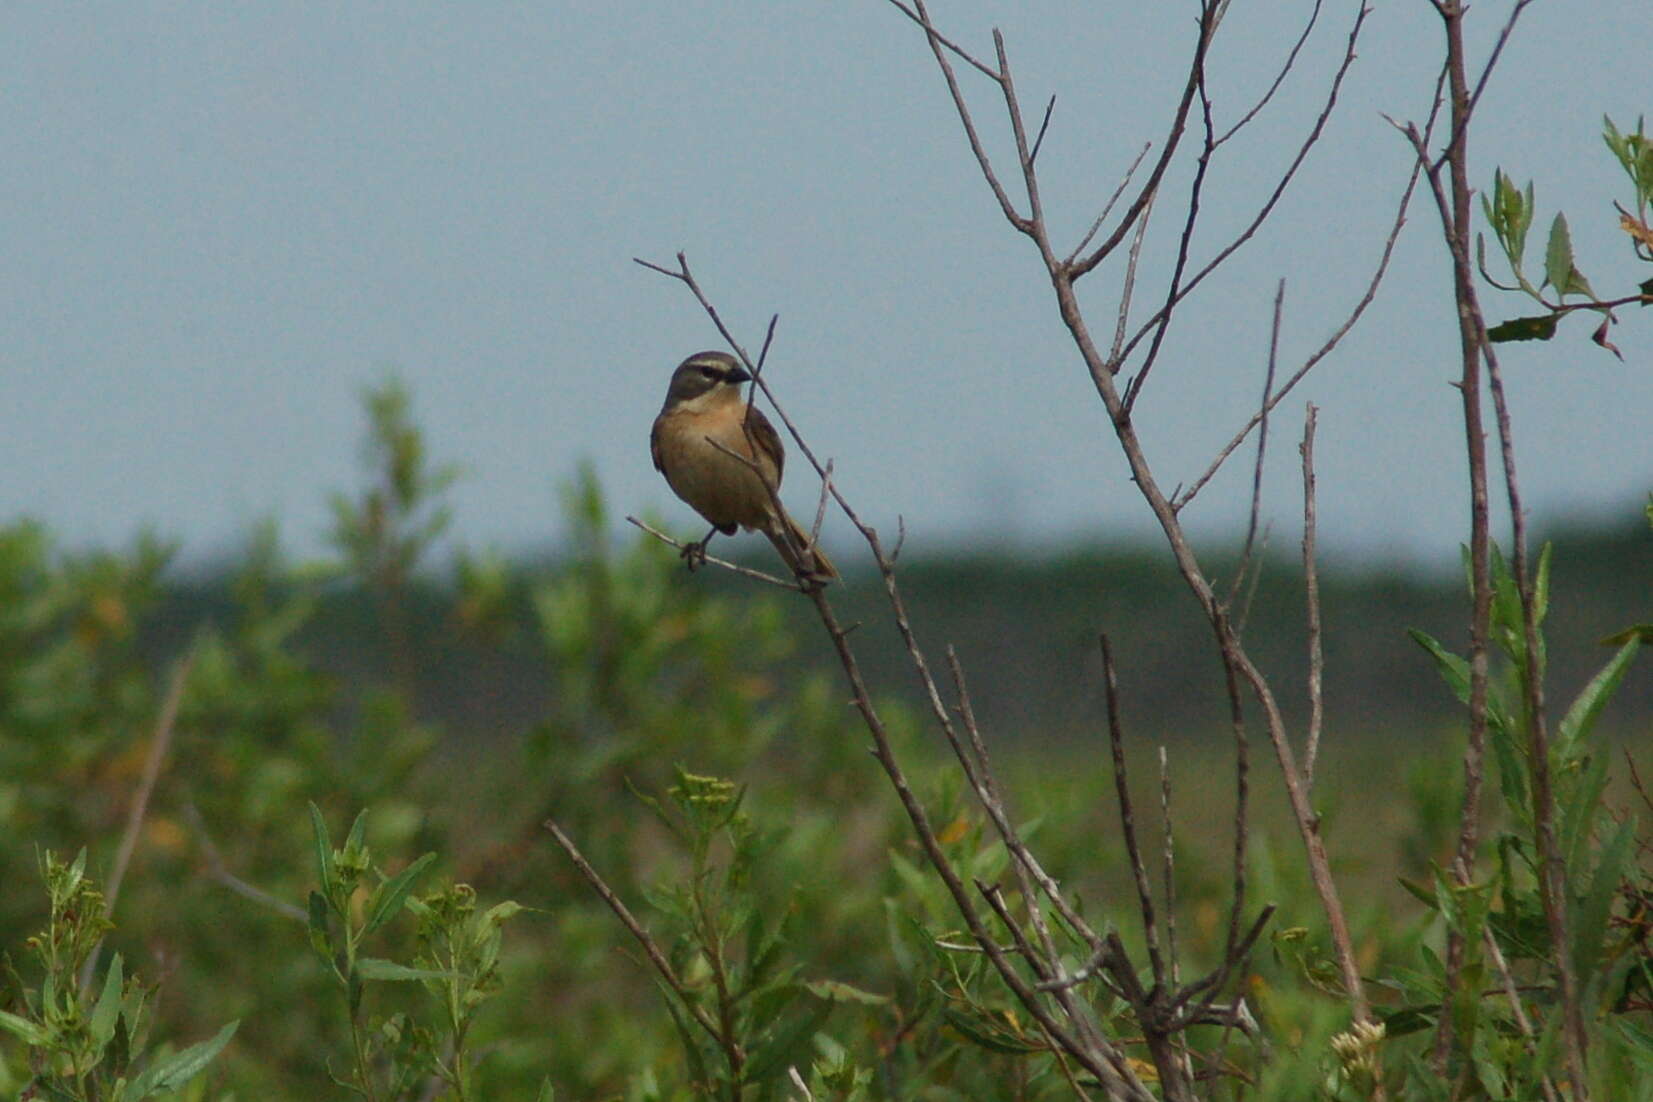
<point>461,704</point>
<point>1025,625</point>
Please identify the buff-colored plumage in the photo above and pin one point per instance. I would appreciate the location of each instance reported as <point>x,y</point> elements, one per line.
<point>704,405</point>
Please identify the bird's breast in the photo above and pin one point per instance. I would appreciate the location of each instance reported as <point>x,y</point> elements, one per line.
<point>721,488</point>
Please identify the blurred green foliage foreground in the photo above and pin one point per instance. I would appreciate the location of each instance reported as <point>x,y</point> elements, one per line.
<point>243,862</point>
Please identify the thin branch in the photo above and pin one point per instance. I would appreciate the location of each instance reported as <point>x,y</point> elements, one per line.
<point>1486,74</point>
<point>1279,190</point>
<point>160,742</point>
<point>220,871</point>
<point>759,575</point>
<point>821,504</point>
<point>1128,288</point>
<point>1108,1065</point>
<point>1215,981</point>
<point>976,148</point>
<point>1043,126</point>
<point>1179,122</point>
<point>1091,968</point>
<point>1168,862</point>
<point>1280,77</point>
<point>929,29</point>
<point>1501,966</point>
<point>1181,500</point>
<point>1311,585</point>
<point>1262,443</point>
<point>1127,818</point>
<point>1195,190</point>
<point>1109,205</point>
<point>638,931</point>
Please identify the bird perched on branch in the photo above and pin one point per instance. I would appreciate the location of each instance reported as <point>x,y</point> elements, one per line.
<point>722,456</point>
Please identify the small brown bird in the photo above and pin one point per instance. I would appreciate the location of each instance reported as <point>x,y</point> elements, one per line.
<point>703,414</point>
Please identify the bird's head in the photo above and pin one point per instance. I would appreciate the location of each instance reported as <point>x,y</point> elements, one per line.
<point>705,378</point>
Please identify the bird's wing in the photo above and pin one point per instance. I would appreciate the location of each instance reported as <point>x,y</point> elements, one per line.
<point>767,440</point>
<point>654,446</point>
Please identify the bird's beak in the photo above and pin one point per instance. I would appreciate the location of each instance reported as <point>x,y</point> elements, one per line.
<point>738,374</point>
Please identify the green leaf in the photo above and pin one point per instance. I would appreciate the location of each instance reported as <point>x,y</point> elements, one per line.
<point>1408,1019</point>
<point>377,968</point>
<point>1581,715</point>
<point>500,913</point>
<point>838,992</point>
<point>1590,921</point>
<point>325,872</point>
<point>319,938</point>
<point>1454,670</point>
<point>171,1074</point>
<point>1541,583</point>
<point>1635,632</point>
<point>31,1034</point>
<point>1558,256</point>
<point>1578,800</point>
<point>388,898</point>
<point>1540,328</point>
<point>357,837</point>
<point>691,1049</point>
<point>769,1058</point>
<point>1421,891</point>
<point>996,1041</point>
<point>102,1024</point>
<point>1512,771</point>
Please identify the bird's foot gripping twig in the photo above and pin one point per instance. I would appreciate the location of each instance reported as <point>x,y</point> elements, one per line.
<point>694,554</point>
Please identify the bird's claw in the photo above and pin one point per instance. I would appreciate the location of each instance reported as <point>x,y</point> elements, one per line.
<point>694,555</point>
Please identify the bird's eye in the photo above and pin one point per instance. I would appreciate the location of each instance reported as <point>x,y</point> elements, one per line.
<point>710,373</point>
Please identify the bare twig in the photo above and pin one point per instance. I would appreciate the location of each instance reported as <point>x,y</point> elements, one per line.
<point>219,871</point>
<point>1185,239</point>
<point>1168,862</point>
<point>1279,78</point>
<point>1501,966</point>
<point>821,504</point>
<point>1262,444</point>
<point>1043,126</point>
<point>1181,291</point>
<point>1127,818</point>
<point>671,541</point>
<point>160,741</point>
<point>1311,586</point>
<point>1179,120</point>
<point>1128,287</point>
<point>1006,207</point>
<point>923,20</point>
<point>1109,205</point>
<point>1181,500</point>
<point>638,931</point>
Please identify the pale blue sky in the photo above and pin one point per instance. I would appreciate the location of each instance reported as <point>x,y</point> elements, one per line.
<point>223,220</point>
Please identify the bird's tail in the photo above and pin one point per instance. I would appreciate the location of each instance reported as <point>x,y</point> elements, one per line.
<point>806,561</point>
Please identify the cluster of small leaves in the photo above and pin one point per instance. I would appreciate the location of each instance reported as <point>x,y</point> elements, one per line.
<point>745,1017</point>
<point>1496,1052</point>
<point>82,1049</point>
<point>387,530</point>
<point>457,964</point>
<point>1510,210</point>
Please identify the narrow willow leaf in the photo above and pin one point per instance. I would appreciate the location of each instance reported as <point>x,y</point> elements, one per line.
<point>388,899</point>
<point>325,872</point>
<point>376,968</point>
